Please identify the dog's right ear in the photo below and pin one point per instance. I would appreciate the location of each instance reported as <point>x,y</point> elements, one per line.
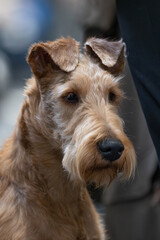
<point>62,54</point>
<point>111,54</point>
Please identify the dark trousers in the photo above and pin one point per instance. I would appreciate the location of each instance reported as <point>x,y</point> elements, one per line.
<point>139,22</point>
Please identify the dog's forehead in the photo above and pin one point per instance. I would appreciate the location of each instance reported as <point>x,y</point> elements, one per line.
<point>87,78</point>
<point>89,74</point>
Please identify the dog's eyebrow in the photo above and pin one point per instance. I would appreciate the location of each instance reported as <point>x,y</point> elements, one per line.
<point>66,87</point>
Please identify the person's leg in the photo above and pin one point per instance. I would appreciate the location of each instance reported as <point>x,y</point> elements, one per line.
<point>139,24</point>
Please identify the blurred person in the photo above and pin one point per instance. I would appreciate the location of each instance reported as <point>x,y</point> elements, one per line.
<point>139,23</point>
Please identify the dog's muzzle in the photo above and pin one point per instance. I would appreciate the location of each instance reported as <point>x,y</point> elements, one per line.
<point>110,149</point>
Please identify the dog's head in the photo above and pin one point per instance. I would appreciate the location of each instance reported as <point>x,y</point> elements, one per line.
<point>80,95</point>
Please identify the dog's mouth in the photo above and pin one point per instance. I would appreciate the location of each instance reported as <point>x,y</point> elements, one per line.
<point>99,168</point>
<point>109,166</point>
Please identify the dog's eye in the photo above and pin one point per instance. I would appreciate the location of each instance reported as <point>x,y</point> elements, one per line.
<point>112,97</point>
<point>71,98</point>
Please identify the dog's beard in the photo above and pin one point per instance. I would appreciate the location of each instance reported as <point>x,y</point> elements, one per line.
<point>84,163</point>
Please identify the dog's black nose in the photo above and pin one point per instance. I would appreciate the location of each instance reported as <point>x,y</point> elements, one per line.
<point>110,149</point>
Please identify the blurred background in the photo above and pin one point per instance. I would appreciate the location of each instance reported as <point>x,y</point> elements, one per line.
<point>130,210</point>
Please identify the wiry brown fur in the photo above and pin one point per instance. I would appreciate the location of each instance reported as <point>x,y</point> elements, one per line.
<point>52,154</point>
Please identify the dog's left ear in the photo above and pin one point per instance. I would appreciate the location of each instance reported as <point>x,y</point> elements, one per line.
<point>111,54</point>
<point>62,54</point>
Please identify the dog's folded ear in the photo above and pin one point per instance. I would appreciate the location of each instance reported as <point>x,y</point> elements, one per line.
<point>111,54</point>
<point>61,54</point>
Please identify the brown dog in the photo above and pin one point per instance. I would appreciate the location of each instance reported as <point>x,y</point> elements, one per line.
<point>68,134</point>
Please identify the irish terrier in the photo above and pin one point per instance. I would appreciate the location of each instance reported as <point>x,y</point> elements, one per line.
<point>68,134</point>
